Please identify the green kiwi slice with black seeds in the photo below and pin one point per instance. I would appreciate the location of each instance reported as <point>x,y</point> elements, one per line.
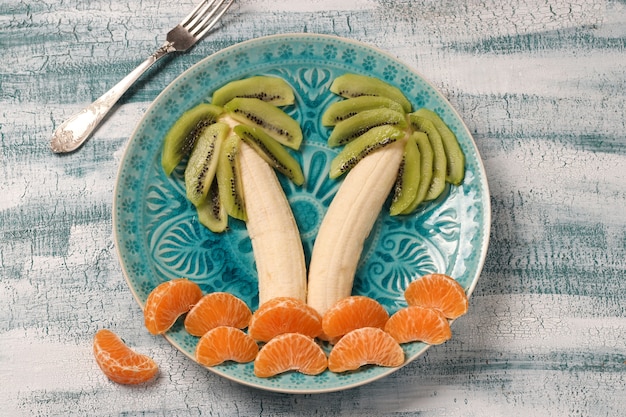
<point>455,158</point>
<point>355,126</point>
<point>272,152</point>
<point>202,162</point>
<point>211,212</point>
<point>229,178</point>
<point>362,146</point>
<point>180,139</point>
<point>426,170</point>
<point>355,85</point>
<point>269,118</point>
<point>345,109</point>
<point>272,90</point>
<point>438,181</point>
<point>407,183</point>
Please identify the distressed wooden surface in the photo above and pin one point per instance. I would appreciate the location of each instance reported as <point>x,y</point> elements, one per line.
<point>539,83</point>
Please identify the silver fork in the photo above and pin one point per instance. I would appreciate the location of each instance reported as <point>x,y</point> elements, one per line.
<point>74,131</point>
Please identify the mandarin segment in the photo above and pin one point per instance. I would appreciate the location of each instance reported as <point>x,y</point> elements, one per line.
<point>438,291</point>
<point>419,324</point>
<point>284,315</point>
<point>119,362</point>
<point>352,313</point>
<point>290,352</point>
<point>225,343</point>
<point>217,309</point>
<point>168,301</point>
<point>365,346</point>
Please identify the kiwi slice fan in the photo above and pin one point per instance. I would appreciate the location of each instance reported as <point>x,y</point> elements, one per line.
<point>210,134</point>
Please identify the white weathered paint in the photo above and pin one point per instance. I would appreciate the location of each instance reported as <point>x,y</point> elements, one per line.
<point>310,6</point>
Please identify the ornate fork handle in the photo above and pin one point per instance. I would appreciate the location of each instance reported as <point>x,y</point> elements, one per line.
<point>75,130</point>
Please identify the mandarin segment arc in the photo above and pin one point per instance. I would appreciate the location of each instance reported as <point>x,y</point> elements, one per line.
<point>225,343</point>
<point>365,346</point>
<point>438,291</point>
<point>290,352</point>
<point>168,301</point>
<point>284,315</point>
<point>119,362</point>
<point>419,324</point>
<point>217,309</point>
<point>352,313</point>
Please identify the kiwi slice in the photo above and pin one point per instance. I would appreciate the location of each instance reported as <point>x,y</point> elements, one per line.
<point>362,146</point>
<point>355,126</point>
<point>272,90</point>
<point>345,109</point>
<point>271,151</point>
<point>229,178</point>
<point>438,181</point>
<point>271,119</point>
<point>180,139</point>
<point>455,171</point>
<point>407,183</point>
<point>211,211</point>
<point>202,162</point>
<point>355,85</point>
<point>426,170</point>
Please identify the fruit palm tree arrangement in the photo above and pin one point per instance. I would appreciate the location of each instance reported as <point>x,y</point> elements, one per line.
<point>387,148</point>
<point>233,145</point>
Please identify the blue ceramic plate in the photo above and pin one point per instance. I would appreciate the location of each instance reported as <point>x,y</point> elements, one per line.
<point>158,236</point>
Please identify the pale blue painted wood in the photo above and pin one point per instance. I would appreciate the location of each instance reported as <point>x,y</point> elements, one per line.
<point>540,85</point>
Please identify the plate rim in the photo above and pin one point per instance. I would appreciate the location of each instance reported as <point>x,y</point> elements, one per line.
<point>486,227</point>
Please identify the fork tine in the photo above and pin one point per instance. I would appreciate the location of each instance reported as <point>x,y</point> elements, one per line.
<point>208,26</point>
<point>192,18</point>
<point>207,18</point>
<point>207,23</point>
<point>196,11</point>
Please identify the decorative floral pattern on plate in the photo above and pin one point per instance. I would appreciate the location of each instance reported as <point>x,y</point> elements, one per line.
<point>158,235</point>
